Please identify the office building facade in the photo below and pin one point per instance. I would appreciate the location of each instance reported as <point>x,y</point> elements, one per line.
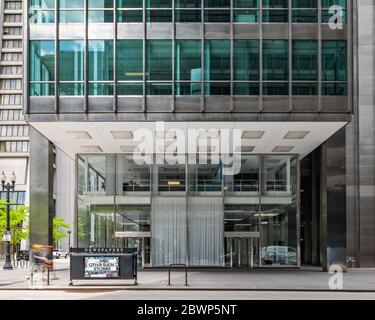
<point>14,131</point>
<point>280,75</point>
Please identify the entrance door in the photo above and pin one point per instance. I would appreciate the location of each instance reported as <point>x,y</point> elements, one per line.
<point>241,252</point>
<point>142,244</point>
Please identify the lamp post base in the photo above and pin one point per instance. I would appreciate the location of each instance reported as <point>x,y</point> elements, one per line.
<point>8,265</point>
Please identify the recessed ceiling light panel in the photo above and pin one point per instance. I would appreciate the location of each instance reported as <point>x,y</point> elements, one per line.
<point>248,134</point>
<point>79,135</point>
<point>282,149</point>
<point>122,134</point>
<point>296,134</point>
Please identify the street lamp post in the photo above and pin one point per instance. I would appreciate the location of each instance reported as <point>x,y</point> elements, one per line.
<point>8,187</point>
<point>69,232</point>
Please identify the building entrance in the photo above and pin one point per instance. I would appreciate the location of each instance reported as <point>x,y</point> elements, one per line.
<point>242,251</point>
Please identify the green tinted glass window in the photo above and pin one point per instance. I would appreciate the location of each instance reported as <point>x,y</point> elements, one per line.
<point>159,59</point>
<point>159,3</point>
<point>275,3</point>
<point>129,3</point>
<point>188,15</point>
<point>246,16</point>
<point>96,4</point>
<point>100,16</point>
<point>130,16</point>
<point>187,3</point>
<point>330,3</point>
<point>305,60</point>
<point>188,60</point>
<point>41,4</point>
<point>307,16</point>
<point>71,16</point>
<point>42,60</point>
<point>217,59</point>
<point>71,60</point>
<point>334,89</point>
<point>129,60</point>
<point>100,60</point>
<point>275,60</point>
<point>305,89</point>
<point>216,3</point>
<point>246,3</point>
<point>71,4</point>
<point>246,59</point>
<point>334,60</point>
<point>304,3</point>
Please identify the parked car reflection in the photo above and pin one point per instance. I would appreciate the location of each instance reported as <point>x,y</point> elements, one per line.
<point>279,254</point>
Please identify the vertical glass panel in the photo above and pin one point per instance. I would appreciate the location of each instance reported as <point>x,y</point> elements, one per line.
<point>100,16</point>
<point>217,88</point>
<point>275,3</point>
<point>169,178</point>
<point>275,60</point>
<point>159,3</point>
<point>188,60</point>
<point>100,4</point>
<point>279,219</point>
<point>241,217</point>
<point>246,59</point>
<point>41,4</point>
<point>188,88</point>
<point>334,60</point>
<point>41,16</point>
<point>71,89</point>
<point>71,60</point>
<point>101,225</point>
<point>83,224</point>
<point>204,178</point>
<point>42,60</point>
<point>71,16</point>
<point>334,89</point>
<point>159,59</point>
<point>96,175</point>
<point>100,60</point>
<point>276,174</point>
<point>217,59</point>
<point>132,178</point>
<point>129,89</point>
<point>329,3</point>
<point>246,3</point>
<point>305,89</point>
<point>41,89</point>
<point>159,15</point>
<point>159,89</point>
<point>187,3</point>
<point>216,15</point>
<point>187,15</point>
<point>69,4</point>
<point>129,3</point>
<point>246,16</point>
<point>133,218</point>
<point>305,3</point>
<point>217,3</point>
<point>246,88</point>
<point>305,60</point>
<point>275,88</point>
<point>100,89</point>
<point>130,16</point>
<point>129,60</point>
<point>247,180</point>
<point>305,16</point>
<point>275,16</point>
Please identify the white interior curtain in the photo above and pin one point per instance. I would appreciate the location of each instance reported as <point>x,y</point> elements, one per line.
<point>168,231</point>
<point>206,231</point>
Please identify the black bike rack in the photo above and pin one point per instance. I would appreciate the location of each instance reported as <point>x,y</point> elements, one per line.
<point>177,265</point>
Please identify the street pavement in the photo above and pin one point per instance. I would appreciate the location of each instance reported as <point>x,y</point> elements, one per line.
<point>306,283</point>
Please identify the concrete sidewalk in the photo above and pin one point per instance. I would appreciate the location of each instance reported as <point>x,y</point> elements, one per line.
<point>305,279</point>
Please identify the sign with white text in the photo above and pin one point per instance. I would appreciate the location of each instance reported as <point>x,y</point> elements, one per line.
<point>101,267</point>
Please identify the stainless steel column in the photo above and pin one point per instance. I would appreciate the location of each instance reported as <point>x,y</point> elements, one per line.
<point>41,189</point>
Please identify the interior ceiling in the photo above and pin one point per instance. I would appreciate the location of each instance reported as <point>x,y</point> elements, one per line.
<point>274,133</point>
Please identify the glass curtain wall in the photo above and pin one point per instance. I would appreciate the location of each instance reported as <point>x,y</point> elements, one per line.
<point>190,213</point>
<point>188,54</point>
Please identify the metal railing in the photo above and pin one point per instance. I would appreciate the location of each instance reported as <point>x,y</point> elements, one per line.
<point>277,185</point>
<point>243,186</point>
<point>177,265</point>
